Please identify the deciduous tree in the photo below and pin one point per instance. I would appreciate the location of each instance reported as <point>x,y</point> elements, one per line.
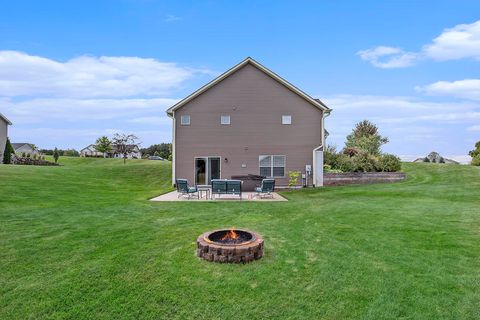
<point>475,154</point>
<point>124,144</point>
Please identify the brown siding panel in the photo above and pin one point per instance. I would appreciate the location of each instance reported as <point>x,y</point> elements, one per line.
<point>256,103</point>
<point>3,137</point>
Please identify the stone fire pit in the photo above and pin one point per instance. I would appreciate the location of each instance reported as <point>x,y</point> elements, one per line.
<point>233,246</point>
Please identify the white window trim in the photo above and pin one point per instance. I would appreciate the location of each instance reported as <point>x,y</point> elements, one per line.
<point>271,164</point>
<point>285,121</point>
<point>224,116</point>
<point>181,120</point>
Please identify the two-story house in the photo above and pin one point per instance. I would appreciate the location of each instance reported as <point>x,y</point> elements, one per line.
<point>248,120</point>
<point>4,123</point>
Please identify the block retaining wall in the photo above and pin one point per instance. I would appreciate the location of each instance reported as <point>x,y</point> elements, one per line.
<point>338,179</point>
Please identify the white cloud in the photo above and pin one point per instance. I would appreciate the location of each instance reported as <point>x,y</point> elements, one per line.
<point>152,120</point>
<point>86,76</point>
<point>388,57</point>
<point>414,126</point>
<point>466,89</point>
<point>69,103</point>
<point>402,110</point>
<point>459,42</point>
<point>172,18</point>
<point>75,110</point>
<point>474,128</point>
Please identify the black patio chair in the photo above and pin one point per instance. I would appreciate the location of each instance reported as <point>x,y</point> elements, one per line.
<point>266,189</point>
<point>184,190</point>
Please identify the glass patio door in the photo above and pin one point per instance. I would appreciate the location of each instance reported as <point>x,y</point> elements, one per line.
<point>206,169</point>
<point>213,168</point>
<point>200,170</point>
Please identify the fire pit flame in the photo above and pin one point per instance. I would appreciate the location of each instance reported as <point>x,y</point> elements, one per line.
<point>230,235</point>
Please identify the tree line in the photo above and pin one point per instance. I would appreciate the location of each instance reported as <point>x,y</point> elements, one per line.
<point>163,150</point>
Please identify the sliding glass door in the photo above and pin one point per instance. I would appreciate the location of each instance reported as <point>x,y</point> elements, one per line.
<point>206,169</point>
<point>200,170</point>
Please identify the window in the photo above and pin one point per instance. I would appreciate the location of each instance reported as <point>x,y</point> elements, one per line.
<point>287,119</point>
<point>185,120</point>
<point>272,166</point>
<point>224,119</point>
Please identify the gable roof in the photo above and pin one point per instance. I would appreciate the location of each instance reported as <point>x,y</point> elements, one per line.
<point>315,102</point>
<point>5,119</point>
<point>18,145</point>
<point>87,147</point>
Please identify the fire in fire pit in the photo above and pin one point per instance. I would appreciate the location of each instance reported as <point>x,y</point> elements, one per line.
<point>230,236</point>
<point>233,245</point>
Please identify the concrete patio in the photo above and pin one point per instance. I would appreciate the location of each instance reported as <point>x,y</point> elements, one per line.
<point>246,196</point>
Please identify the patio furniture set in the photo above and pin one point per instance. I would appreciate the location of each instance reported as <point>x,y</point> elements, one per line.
<point>219,187</point>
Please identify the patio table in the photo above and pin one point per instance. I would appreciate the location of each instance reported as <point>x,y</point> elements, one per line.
<point>204,188</point>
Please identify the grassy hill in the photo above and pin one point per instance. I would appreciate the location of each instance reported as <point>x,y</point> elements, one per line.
<point>81,241</point>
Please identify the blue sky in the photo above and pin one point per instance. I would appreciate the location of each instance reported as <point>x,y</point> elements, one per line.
<point>71,71</point>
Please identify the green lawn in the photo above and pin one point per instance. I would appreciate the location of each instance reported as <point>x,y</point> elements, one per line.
<point>82,241</point>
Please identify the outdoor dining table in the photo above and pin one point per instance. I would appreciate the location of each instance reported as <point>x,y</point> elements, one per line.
<point>204,189</point>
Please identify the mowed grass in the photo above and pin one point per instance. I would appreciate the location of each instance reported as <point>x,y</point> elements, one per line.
<point>81,241</point>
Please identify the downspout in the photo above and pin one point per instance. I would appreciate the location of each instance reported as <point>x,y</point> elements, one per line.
<point>172,115</point>
<point>322,146</point>
<point>325,115</point>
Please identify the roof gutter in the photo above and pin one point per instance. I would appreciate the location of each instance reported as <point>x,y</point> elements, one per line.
<point>6,120</point>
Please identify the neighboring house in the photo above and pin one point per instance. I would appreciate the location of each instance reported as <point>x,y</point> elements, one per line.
<point>24,147</point>
<point>134,152</point>
<point>248,121</point>
<point>435,157</point>
<point>4,123</point>
<point>91,152</point>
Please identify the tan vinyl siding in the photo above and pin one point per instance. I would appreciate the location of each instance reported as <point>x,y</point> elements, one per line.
<point>3,137</point>
<point>256,104</point>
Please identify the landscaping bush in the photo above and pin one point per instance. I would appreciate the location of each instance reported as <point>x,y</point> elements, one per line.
<point>293,178</point>
<point>389,163</point>
<point>351,152</point>
<point>330,156</point>
<point>344,163</point>
<point>328,169</point>
<point>364,162</point>
<point>362,152</point>
<point>30,161</point>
